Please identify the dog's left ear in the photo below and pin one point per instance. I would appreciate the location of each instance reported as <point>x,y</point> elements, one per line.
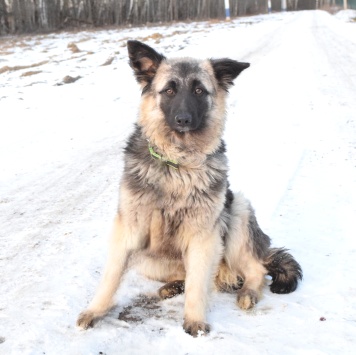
<point>226,70</point>
<point>144,60</point>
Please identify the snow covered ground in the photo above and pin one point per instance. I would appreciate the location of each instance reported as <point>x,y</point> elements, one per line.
<point>291,138</point>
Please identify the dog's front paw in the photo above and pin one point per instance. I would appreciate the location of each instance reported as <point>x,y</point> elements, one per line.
<point>196,328</point>
<point>86,319</point>
<point>246,299</point>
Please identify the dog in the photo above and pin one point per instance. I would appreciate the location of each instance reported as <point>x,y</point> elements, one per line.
<point>177,216</point>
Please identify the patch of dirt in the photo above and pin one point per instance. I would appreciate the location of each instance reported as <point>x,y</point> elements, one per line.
<point>142,307</point>
<point>69,79</point>
<point>108,61</point>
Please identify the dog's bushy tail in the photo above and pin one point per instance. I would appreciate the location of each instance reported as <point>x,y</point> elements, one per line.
<point>284,270</point>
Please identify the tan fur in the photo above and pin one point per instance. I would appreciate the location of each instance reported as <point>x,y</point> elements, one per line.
<point>168,225</point>
<point>158,263</point>
<point>238,252</point>
<point>189,152</point>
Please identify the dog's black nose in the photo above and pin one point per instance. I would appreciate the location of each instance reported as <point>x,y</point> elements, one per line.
<point>183,119</point>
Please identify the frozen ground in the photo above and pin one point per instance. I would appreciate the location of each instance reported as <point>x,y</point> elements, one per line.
<point>291,137</point>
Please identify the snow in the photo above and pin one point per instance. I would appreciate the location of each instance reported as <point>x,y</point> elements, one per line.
<point>292,150</point>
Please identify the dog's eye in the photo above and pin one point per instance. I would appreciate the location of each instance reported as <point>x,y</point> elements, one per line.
<point>170,92</point>
<point>198,91</point>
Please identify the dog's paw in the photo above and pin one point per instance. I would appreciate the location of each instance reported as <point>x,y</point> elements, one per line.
<point>246,299</point>
<point>86,319</point>
<point>196,328</point>
<point>171,289</point>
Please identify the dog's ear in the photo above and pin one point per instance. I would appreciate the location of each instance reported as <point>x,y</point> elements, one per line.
<point>226,70</point>
<point>144,60</point>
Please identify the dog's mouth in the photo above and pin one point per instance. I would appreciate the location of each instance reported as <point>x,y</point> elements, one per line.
<point>181,131</point>
<point>184,129</point>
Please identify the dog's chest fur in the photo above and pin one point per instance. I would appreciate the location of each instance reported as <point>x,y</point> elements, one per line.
<point>185,194</point>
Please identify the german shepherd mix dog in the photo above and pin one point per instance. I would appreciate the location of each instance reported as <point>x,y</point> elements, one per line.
<point>177,215</point>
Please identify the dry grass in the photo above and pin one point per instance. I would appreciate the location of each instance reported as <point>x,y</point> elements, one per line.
<point>21,67</point>
<point>177,33</point>
<point>85,39</point>
<point>7,45</point>
<point>155,36</point>
<point>2,53</point>
<point>73,47</point>
<point>214,21</point>
<point>29,73</point>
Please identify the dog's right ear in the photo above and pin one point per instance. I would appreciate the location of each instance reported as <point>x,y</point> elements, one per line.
<point>144,60</point>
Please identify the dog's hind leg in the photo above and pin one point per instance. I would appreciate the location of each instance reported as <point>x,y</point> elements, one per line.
<point>245,250</point>
<point>254,280</point>
<point>124,239</point>
<point>244,275</point>
<point>248,253</point>
<point>171,289</point>
<point>226,279</point>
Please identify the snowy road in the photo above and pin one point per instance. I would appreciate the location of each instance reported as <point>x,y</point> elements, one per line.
<point>291,138</point>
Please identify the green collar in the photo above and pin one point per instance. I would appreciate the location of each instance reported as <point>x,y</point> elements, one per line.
<point>173,164</point>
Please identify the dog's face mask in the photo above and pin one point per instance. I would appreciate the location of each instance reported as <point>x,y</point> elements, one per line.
<point>185,87</point>
<point>184,91</point>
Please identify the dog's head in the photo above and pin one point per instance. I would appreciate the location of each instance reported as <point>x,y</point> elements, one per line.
<point>185,94</point>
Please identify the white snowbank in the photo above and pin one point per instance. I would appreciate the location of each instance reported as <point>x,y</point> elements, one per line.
<point>291,142</point>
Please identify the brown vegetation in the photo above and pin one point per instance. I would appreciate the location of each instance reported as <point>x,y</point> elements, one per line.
<point>20,67</point>
<point>73,47</point>
<point>30,73</point>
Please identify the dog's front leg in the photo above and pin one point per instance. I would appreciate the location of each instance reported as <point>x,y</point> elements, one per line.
<point>201,262</point>
<point>125,239</point>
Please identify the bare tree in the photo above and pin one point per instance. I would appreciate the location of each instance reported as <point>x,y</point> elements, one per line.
<point>18,16</point>
<point>4,19</point>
